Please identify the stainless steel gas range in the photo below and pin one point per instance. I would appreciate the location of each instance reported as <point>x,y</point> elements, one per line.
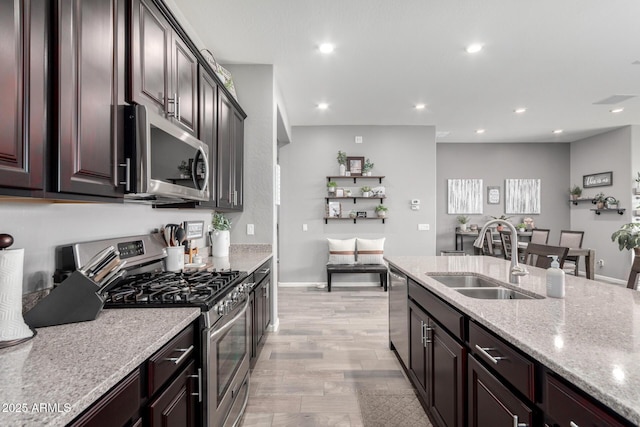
<point>223,297</point>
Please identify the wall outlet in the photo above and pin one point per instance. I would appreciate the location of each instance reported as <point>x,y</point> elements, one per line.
<point>250,229</point>
<point>358,140</point>
<point>304,227</point>
<point>423,227</point>
<point>600,263</point>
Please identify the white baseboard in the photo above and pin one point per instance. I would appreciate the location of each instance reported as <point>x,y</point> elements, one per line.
<point>324,284</point>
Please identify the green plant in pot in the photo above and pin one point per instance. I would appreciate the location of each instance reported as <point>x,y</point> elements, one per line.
<point>381,210</point>
<point>599,200</point>
<point>521,227</point>
<point>575,192</point>
<point>611,202</point>
<point>628,237</point>
<point>220,235</point>
<point>366,191</point>
<point>463,220</point>
<point>331,187</point>
<point>366,168</point>
<point>503,217</point>
<point>342,162</point>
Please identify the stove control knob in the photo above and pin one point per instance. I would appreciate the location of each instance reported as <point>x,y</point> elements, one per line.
<point>235,295</point>
<point>228,305</point>
<point>219,309</point>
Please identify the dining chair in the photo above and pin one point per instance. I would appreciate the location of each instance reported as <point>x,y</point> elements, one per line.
<point>487,245</point>
<point>540,236</point>
<point>632,283</point>
<point>571,239</point>
<point>505,239</point>
<point>537,255</point>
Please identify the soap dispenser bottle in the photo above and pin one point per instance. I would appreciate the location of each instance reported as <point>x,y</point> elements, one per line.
<point>555,279</point>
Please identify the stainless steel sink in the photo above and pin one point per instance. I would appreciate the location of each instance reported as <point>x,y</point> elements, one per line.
<point>495,293</point>
<point>467,281</point>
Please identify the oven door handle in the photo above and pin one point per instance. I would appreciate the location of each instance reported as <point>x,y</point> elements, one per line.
<point>231,322</point>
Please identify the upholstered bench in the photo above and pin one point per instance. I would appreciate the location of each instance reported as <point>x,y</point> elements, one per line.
<point>380,269</point>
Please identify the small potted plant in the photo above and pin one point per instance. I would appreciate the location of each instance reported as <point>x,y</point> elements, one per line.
<point>352,214</point>
<point>366,191</point>
<point>575,192</point>
<point>381,210</point>
<point>521,227</point>
<point>599,200</point>
<point>366,168</point>
<point>220,235</point>
<point>342,161</point>
<point>331,187</point>
<point>628,237</point>
<point>347,192</point>
<point>503,217</point>
<point>463,220</point>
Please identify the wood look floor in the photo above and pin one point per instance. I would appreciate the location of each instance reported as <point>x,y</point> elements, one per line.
<point>328,346</point>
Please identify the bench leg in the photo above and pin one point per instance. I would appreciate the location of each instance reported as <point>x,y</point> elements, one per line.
<point>383,281</point>
<point>328,281</point>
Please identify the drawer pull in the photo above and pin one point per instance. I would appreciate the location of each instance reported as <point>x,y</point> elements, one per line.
<point>494,359</point>
<point>199,377</point>
<point>572,424</point>
<point>185,353</point>
<point>517,424</point>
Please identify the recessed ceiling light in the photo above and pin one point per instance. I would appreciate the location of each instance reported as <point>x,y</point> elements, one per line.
<point>617,110</point>
<point>323,106</point>
<point>420,106</point>
<point>326,47</point>
<point>480,131</point>
<point>558,131</point>
<point>474,48</point>
<point>519,110</point>
<point>442,133</point>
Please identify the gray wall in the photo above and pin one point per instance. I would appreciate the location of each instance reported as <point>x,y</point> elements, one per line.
<point>40,227</point>
<point>406,155</point>
<point>493,163</point>
<point>611,151</point>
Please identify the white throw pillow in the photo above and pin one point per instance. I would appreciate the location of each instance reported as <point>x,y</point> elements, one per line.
<point>370,251</point>
<point>342,251</point>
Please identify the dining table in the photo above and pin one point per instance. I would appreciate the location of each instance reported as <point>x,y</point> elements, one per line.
<point>588,254</point>
<point>461,235</point>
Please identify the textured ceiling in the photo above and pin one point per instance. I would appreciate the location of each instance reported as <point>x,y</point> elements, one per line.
<point>554,57</point>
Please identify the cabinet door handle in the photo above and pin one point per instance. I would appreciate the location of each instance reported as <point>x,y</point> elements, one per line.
<point>178,107</point>
<point>127,173</point>
<point>199,377</point>
<point>235,197</point>
<point>484,351</point>
<point>185,353</point>
<point>264,271</point>
<point>572,424</point>
<point>427,329</point>
<point>423,339</point>
<point>517,424</point>
<point>173,101</point>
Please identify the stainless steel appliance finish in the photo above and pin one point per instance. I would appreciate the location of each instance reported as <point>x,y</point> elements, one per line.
<point>399,314</point>
<point>156,152</point>
<point>223,297</point>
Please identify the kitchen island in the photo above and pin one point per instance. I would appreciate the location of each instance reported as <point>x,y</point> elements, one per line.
<point>591,338</point>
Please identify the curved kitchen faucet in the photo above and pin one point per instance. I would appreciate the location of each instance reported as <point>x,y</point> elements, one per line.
<point>516,270</point>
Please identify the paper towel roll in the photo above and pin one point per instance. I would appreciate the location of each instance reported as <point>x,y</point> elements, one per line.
<point>12,326</point>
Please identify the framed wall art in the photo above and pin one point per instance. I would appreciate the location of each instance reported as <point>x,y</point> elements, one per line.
<point>354,165</point>
<point>464,196</point>
<point>493,195</point>
<point>522,196</point>
<point>602,179</point>
<point>334,210</point>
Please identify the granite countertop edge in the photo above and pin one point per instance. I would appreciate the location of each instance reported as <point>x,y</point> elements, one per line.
<point>615,401</point>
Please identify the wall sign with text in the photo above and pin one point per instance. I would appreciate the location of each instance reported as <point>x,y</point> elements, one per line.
<point>601,179</point>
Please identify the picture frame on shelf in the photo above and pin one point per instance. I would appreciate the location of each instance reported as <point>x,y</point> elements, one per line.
<point>334,210</point>
<point>361,214</point>
<point>354,165</point>
<point>339,192</point>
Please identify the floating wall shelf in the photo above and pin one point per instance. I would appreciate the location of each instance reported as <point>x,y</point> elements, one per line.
<point>326,219</point>
<point>355,178</point>
<point>617,210</point>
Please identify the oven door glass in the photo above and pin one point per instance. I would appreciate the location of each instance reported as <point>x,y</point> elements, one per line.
<point>231,349</point>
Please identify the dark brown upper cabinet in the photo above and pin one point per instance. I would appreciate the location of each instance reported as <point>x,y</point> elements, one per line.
<point>89,62</point>
<point>230,155</point>
<point>23,120</point>
<point>163,73</point>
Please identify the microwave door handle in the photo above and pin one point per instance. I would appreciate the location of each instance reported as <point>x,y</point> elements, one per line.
<point>202,154</point>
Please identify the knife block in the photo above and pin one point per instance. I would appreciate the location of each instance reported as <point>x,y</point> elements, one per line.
<point>74,300</point>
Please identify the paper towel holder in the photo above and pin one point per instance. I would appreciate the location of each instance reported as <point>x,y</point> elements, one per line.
<point>6,240</point>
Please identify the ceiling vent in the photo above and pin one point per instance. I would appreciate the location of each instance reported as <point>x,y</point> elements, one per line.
<point>615,99</point>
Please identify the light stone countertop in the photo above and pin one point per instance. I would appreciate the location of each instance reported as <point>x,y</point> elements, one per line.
<point>591,337</point>
<point>70,366</point>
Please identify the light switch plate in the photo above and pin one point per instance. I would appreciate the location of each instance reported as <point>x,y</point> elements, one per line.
<point>250,229</point>
<point>423,227</point>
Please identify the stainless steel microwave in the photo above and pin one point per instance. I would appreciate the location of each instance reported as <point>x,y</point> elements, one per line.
<point>164,164</point>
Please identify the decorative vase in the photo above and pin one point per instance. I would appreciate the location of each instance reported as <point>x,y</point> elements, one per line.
<point>221,243</point>
<point>366,194</point>
<point>463,227</point>
<point>331,190</point>
<point>599,205</point>
<point>343,170</point>
<point>574,197</point>
<point>500,227</point>
<point>352,215</point>
<point>382,214</point>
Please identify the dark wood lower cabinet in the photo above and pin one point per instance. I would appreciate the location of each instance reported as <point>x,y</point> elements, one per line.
<point>491,404</point>
<point>437,363</point>
<point>176,406</point>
